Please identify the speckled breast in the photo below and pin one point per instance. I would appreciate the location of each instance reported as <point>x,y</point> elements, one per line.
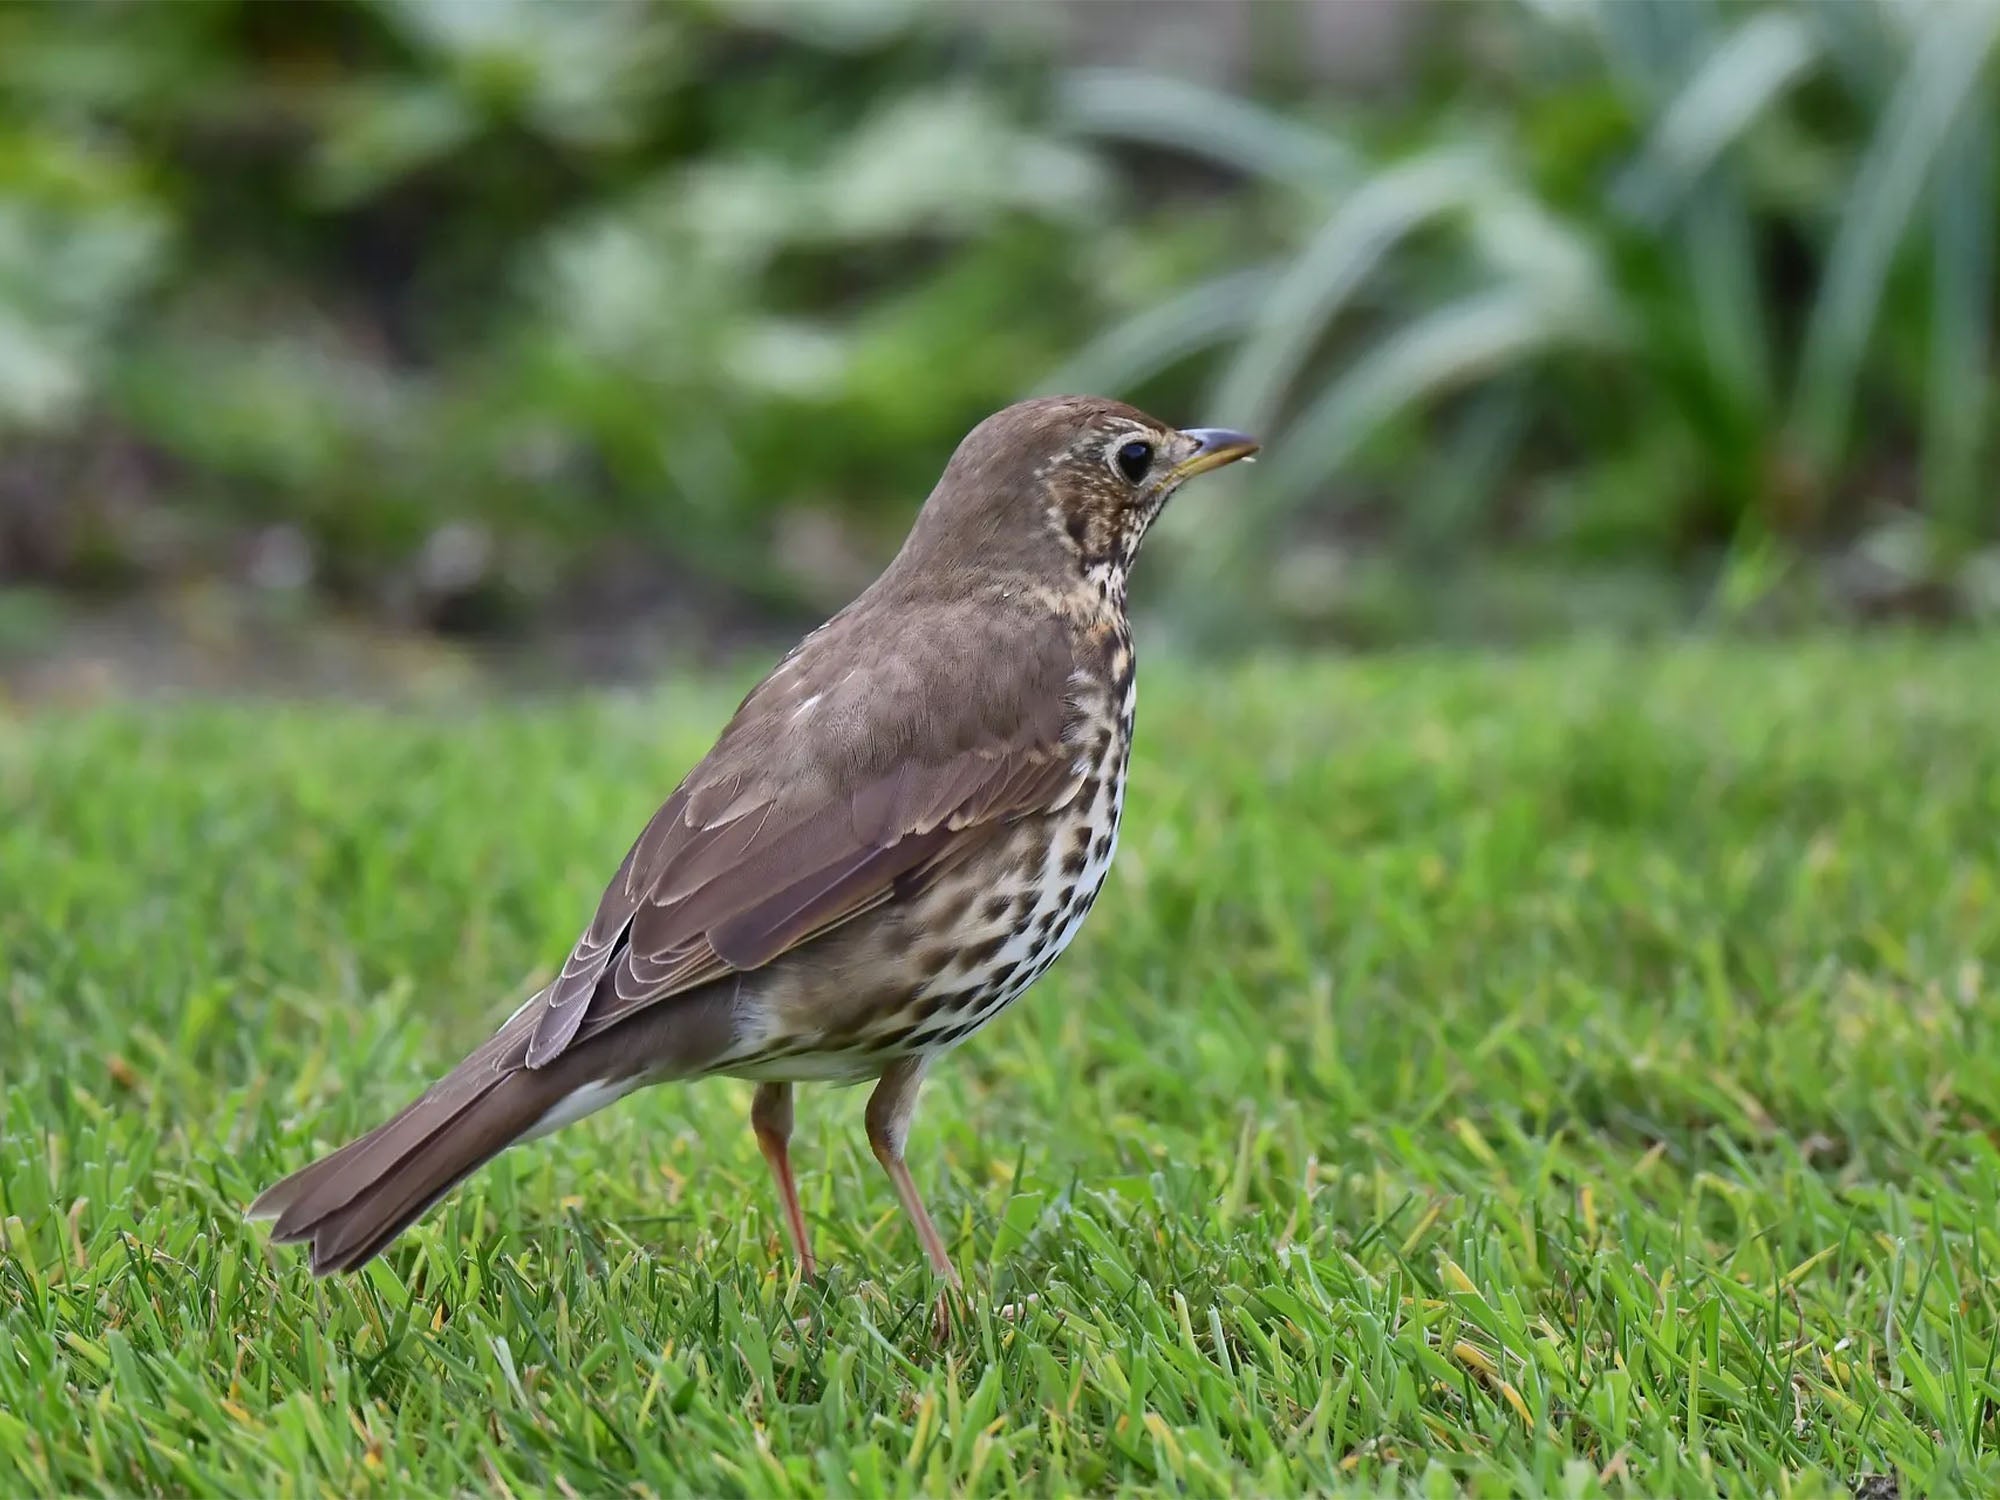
<point>1026,908</point>
<point>923,978</point>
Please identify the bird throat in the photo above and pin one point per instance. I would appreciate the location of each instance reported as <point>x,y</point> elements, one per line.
<point>1103,546</point>
<point>1106,580</point>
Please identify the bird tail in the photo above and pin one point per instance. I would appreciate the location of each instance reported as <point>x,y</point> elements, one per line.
<point>349,1205</point>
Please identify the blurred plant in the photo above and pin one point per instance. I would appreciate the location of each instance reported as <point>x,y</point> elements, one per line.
<point>1711,270</point>
<point>470,312</point>
<point>670,298</point>
<point>79,239</point>
<point>663,318</point>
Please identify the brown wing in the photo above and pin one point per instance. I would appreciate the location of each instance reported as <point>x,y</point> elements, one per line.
<point>875,753</point>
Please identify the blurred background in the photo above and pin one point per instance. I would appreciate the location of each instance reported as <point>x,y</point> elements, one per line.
<point>366,342</point>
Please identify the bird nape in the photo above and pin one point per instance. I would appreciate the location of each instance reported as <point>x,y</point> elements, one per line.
<point>897,834</point>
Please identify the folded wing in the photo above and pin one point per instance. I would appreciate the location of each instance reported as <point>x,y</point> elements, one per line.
<point>831,792</point>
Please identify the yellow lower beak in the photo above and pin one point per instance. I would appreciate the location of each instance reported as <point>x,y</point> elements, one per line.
<point>1215,446</point>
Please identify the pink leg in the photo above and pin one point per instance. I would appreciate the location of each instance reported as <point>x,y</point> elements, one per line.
<point>890,1110</point>
<point>771,1118</point>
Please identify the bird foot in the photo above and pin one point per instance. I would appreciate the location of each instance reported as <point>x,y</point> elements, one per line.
<point>951,1308</point>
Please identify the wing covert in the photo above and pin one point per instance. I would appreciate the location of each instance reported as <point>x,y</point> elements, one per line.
<point>825,796</point>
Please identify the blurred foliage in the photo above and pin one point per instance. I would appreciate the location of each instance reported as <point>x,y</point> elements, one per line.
<point>482,313</point>
<point>454,309</point>
<point>1701,288</point>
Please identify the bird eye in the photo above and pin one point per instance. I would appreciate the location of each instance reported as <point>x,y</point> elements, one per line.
<point>1134,459</point>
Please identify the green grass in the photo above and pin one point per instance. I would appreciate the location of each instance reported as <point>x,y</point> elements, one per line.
<point>1571,1075</point>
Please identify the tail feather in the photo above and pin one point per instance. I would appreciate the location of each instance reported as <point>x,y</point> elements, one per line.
<point>350,1204</point>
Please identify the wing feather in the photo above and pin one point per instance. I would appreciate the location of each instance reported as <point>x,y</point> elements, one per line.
<point>797,822</point>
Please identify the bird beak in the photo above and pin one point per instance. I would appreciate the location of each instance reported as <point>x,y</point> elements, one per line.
<point>1214,447</point>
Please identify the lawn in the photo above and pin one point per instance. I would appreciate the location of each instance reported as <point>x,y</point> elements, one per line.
<point>1564,1074</point>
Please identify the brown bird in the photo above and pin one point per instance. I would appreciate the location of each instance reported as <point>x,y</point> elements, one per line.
<point>898,832</point>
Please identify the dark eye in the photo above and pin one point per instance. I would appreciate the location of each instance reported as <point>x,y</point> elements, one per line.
<point>1134,459</point>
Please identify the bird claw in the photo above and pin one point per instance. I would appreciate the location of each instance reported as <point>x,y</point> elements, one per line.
<point>951,1307</point>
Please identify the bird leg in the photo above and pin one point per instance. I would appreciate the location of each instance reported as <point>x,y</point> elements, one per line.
<point>890,1109</point>
<point>771,1118</point>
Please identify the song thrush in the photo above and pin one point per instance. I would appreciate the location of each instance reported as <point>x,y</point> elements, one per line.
<point>898,832</point>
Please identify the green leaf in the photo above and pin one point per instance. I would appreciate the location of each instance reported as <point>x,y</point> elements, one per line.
<point>1447,347</point>
<point>1740,81</point>
<point>1952,48</point>
<point>1959,391</point>
<point>1368,224</point>
<point>1175,115</point>
<point>1131,352</point>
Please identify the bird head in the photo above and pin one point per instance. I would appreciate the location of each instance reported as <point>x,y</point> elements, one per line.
<point>1072,480</point>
